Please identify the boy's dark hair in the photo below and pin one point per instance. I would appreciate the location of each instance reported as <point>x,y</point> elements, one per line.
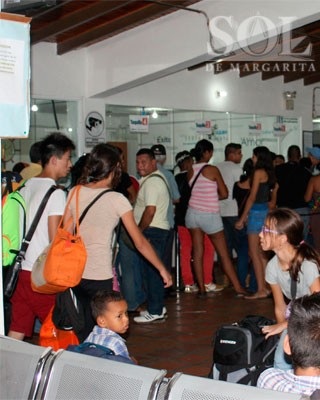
<point>101,299</point>
<point>231,148</point>
<point>55,144</point>
<point>35,152</point>
<point>304,331</point>
<point>146,151</point>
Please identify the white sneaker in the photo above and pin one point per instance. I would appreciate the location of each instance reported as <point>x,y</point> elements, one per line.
<point>147,317</point>
<point>212,287</point>
<point>191,288</point>
<point>145,312</point>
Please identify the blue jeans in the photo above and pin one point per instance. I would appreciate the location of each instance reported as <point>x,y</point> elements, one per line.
<point>256,217</point>
<point>243,261</point>
<point>280,359</point>
<point>231,234</point>
<point>130,276</point>
<point>153,283</point>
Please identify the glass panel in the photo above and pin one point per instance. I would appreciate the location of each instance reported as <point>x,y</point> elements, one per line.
<point>49,116</point>
<point>178,130</point>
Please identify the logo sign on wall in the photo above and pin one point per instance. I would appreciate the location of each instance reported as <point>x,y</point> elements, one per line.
<point>203,127</point>
<point>279,129</point>
<point>94,129</point>
<point>255,128</point>
<point>139,123</point>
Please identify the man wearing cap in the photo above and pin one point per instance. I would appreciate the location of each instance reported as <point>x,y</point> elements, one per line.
<point>314,155</point>
<point>161,155</point>
<point>293,180</point>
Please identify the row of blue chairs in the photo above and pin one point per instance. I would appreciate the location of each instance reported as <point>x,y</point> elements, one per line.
<point>28,371</point>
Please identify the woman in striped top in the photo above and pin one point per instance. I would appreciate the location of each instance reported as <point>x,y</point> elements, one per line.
<point>203,215</point>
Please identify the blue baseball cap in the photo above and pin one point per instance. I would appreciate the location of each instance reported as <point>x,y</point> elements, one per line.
<point>314,151</point>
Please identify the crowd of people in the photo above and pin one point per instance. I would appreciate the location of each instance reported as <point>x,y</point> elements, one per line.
<point>268,206</point>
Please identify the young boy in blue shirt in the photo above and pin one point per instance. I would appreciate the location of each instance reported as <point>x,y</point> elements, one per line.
<point>110,311</point>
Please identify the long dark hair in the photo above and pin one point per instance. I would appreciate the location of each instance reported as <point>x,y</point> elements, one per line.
<point>264,161</point>
<point>201,147</point>
<point>247,169</point>
<point>102,161</point>
<point>289,223</point>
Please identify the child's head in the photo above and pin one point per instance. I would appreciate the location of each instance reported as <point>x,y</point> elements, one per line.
<point>110,310</point>
<point>303,340</point>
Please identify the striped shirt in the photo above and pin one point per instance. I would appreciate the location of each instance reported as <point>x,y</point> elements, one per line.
<point>109,339</point>
<point>204,195</point>
<point>287,381</point>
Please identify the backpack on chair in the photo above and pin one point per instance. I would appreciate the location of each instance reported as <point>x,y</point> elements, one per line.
<point>241,351</point>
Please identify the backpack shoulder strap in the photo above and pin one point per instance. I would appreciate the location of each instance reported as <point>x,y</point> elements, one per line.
<point>198,174</point>
<point>84,213</point>
<point>36,219</point>
<point>157,176</point>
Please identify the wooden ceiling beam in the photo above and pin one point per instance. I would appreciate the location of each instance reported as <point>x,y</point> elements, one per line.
<point>110,28</point>
<point>311,79</point>
<point>74,19</point>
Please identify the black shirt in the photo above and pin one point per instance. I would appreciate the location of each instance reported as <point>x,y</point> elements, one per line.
<point>293,181</point>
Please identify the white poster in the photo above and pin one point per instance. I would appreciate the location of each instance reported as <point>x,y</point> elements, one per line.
<point>139,123</point>
<point>14,76</point>
<point>11,71</point>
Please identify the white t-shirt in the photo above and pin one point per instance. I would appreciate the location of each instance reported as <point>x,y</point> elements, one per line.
<point>231,173</point>
<point>33,193</point>
<point>275,275</point>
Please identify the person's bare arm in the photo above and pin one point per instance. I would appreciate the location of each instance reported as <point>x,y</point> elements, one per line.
<point>53,223</point>
<point>257,178</point>
<point>147,217</point>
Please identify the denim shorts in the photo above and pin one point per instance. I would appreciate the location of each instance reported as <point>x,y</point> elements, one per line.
<point>208,222</point>
<point>256,217</point>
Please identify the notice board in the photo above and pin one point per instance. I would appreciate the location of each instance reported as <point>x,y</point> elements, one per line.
<point>14,75</point>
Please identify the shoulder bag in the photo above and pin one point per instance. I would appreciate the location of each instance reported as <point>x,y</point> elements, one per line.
<point>60,266</point>
<point>14,269</point>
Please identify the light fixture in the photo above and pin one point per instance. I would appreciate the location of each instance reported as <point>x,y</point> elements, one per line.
<point>34,108</point>
<point>289,95</point>
<point>154,114</point>
<point>222,93</point>
<point>289,99</point>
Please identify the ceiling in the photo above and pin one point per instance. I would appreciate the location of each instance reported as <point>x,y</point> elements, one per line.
<point>75,24</point>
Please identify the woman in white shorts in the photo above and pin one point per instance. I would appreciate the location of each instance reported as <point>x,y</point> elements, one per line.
<point>203,215</point>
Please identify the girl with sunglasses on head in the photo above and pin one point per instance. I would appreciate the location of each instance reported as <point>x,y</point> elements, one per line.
<point>293,271</point>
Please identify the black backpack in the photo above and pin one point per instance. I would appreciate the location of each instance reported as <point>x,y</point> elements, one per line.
<point>68,313</point>
<point>241,351</point>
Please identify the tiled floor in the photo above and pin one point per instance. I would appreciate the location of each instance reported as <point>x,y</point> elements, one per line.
<point>183,341</point>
